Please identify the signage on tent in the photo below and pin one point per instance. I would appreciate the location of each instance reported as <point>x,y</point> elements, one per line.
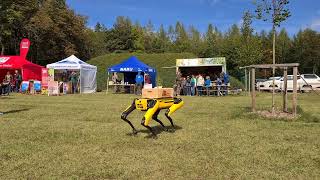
<point>4,59</point>
<point>24,47</point>
<point>126,69</point>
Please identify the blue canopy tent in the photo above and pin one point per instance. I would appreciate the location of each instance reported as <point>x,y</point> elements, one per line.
<point>133,65</point>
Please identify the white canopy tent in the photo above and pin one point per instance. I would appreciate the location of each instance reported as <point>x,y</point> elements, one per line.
<point>88,82</point>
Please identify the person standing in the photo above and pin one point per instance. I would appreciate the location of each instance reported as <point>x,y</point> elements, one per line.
<point>139,82</point>
<point>18,80</point>
<point>115,80</point>
<point>218,84</point>
<point>200,84</point>
<point>8,79</point>
<point>183,86</point>
<point>193,85</point>
<point>226,80</point>
<point>74,81</point>
<point>207,84</point>
<point>188,86</point>
<point>178,83</point>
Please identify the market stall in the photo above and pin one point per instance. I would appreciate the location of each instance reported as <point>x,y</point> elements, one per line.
<point>75,74</point>
<point>208,66</point>
<point>28,70</point>
<point>130,68</point>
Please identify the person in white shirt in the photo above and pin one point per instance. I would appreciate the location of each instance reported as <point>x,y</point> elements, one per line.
<point>200,84</point>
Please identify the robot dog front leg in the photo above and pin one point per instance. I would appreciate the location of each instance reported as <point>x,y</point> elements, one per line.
<point>178,103</point>
<point>124,115</point>
<point>153,106</point>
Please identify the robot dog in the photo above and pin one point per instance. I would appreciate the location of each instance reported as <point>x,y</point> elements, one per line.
<point>153,108</point>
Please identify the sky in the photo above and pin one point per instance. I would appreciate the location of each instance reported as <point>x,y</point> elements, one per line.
<point>199,13</point>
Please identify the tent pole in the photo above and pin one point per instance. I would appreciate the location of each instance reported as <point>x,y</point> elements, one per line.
<point>107,83</point>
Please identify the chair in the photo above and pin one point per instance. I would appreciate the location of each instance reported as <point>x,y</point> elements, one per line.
<point>25,87</point>
<point>37,86</point>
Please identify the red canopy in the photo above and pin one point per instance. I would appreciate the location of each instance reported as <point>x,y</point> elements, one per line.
<point>28,69</point>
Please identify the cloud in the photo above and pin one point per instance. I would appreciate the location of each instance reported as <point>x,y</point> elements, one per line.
<point>210,2</point>
<point>315,24</point>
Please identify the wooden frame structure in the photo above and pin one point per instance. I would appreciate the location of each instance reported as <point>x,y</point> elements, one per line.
<point>285,67</point>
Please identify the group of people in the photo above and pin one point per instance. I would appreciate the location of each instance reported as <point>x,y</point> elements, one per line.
<point>201,84</point>
<point>140,81</point>
<point>11,83</point>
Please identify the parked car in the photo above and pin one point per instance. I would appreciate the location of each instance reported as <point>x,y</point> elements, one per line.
<point>290,83</point>
<point>304,82</point>
<point>308,81</point>
<point>267,85</point>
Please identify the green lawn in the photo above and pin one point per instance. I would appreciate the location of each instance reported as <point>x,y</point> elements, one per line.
<point>82,136</point>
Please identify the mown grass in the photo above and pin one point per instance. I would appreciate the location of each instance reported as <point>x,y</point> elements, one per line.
<point>82,137</point>
<point>165,76</point>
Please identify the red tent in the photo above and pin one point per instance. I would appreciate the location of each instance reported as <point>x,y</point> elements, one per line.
<point>28,70</point>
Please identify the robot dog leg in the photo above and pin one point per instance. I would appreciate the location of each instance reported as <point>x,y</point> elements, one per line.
<point>178,103</point>
<point>153,106</point>
<point>155,117</point>
<point>124,115</point>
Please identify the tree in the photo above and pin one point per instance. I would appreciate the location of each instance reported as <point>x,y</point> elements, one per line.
<point>284,45</point>
<point>250,49</point>
<point>120,37</point>
<point>197,45</point>
<point>306,50</point>
<point>181,42</point>
<point>276,12</point>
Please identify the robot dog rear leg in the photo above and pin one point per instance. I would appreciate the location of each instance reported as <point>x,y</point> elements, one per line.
<point>155,117</point>
<point>124,115</point>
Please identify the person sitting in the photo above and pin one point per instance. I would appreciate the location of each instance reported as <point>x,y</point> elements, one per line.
<point>139,82</point>
<point>5,87</point>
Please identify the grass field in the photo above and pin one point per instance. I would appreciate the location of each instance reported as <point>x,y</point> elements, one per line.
<point>82,136</point>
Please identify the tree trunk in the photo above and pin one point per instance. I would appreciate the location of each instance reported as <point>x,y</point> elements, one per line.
<point>2,49</point>
<point>273,68</point>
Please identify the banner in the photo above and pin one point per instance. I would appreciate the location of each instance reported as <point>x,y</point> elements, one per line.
<point>24,47</point>
<point>53,88</point>
<point>45,78</point>
<point>217,61</point>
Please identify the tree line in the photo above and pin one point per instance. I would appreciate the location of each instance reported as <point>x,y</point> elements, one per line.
<point>56,31</point>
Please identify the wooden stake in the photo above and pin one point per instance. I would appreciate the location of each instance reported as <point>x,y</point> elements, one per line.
<point>285,90</point>
<point>294,96</point>
<point>253,90</point>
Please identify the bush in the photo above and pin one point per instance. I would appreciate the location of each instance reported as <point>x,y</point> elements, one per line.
<point>236,83</point>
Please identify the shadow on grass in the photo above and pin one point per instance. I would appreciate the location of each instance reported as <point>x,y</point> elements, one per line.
<point>157,130</point>
<point>15,111</point>
<point>6,97</point>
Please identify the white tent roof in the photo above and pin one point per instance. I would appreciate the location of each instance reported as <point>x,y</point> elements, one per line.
<point>71,62</point>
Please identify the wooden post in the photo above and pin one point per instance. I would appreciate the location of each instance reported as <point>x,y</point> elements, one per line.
<point>253,90</point>
<point>285,89</point>
<point>245,79</point>
<point>294,95</point>
<point>249,83</point>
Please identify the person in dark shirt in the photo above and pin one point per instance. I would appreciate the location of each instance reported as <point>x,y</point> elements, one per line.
<point>74,81</point>
<point>18,80</point>
<point>139,82</point>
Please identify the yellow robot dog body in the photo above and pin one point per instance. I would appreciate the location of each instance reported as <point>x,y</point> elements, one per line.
<point>153,108</point>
